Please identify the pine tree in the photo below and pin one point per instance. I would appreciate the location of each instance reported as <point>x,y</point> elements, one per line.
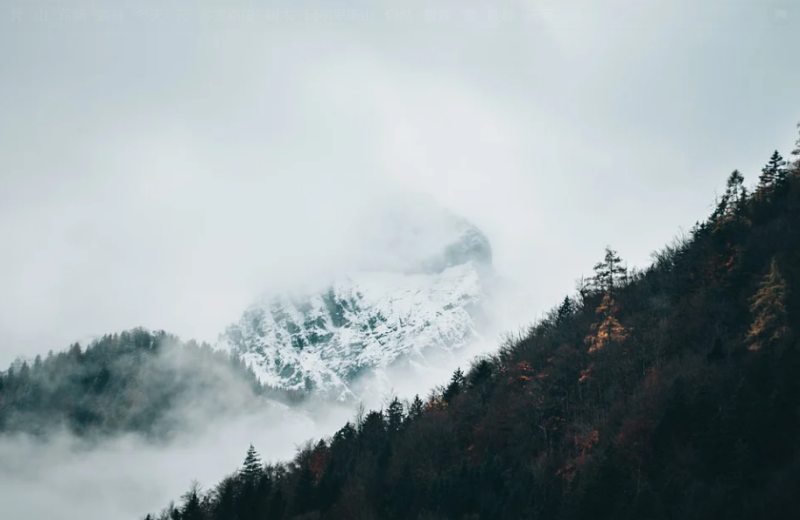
<point>251,469</point>
<point>770,172</point>
<point>565,311</point>
<point>416,408</point>
<point>394,414</point>
<point>769,310</point>
<point>480,372</point>
<point>75,351</point>
<point>454,388</point>
<point>608,273</point>
<point>731,202</point>
<point>734,189</point>
<point>773,174</point>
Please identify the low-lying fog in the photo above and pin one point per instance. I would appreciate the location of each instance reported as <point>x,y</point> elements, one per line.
<point>126,477</point>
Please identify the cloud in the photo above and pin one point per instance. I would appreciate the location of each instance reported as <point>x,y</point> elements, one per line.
<point>126,477</point>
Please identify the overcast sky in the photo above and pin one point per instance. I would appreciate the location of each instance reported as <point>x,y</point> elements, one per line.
<point>163,162</point>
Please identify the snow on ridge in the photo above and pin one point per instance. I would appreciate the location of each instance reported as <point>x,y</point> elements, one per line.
<point>424,295</point>
<point>363,323</point>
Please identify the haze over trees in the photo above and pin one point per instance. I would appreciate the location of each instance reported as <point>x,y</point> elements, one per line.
<point>149,383</point>
<point>670,392</point>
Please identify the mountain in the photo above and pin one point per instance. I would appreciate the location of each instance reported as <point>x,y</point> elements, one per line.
<point>671,392</point>
<point>432,303</point>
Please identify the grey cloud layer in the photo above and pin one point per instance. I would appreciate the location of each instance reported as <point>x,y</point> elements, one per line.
<point>161,173</point>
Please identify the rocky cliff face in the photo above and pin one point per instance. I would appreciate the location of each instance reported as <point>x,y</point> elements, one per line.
<point>429,304</point>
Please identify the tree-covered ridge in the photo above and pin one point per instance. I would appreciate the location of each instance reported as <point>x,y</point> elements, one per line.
<point>667,393</point>
<point>136,381</point>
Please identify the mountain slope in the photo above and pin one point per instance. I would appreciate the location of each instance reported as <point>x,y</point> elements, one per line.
<point>366,321</point>
<point>668,393</point>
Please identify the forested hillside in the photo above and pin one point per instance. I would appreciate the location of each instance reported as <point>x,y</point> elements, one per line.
<point>137,381</point>
<point>667,393</point>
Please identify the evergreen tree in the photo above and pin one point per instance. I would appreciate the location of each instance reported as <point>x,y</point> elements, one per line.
<point>454,388</point>
<point>394,415</point>
<point>769,310</point>
<point>608,273</point>
<point>735,189</point>
<point>75,351</point>
<point>565,311</point>
<point>251,469</point>
<point>416,408</point>
<point>481,371</point>
<point>732,200</point>
<point>772,172</point>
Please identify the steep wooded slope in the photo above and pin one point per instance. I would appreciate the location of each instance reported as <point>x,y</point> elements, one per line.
<point>672,392</point>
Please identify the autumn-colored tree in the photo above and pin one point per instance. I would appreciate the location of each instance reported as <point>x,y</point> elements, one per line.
<point>607,330</point>
<point>769,310</point>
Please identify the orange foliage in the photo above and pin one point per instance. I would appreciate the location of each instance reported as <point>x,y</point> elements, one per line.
<point>521,373</point>
<point>586,374</point>
<point>437,404</point>
<point>721,266</point>
<point>587,441</point>
<point>608,330</point>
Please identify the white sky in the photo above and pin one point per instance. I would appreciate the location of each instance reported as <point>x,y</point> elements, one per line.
<point>162,172</point>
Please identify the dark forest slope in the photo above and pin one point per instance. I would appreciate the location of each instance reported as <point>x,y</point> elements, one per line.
<point>672,392</point>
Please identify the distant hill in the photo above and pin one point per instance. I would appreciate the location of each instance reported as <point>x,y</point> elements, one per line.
<point>667,393</point>
<point>134,382</point>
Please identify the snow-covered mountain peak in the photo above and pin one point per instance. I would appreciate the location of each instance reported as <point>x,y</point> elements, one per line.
<point>426,301</point>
